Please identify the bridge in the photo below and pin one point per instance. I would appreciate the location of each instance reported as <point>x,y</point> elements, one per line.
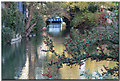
<point>55,20</point>
<point>65,17</point>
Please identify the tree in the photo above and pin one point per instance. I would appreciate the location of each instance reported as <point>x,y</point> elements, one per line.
<point>29,24</point>
<point>53,8</point>
<point>12,20</point>
<point>85,15</point>
<point>37,12</point>
<point>76,42</point>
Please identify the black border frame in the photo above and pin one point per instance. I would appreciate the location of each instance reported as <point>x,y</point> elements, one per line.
<point>70,79</point>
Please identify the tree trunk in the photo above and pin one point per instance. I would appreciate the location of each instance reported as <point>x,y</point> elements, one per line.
<point>29,18</point>
<point>29,30</point>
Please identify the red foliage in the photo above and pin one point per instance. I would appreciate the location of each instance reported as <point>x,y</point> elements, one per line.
<point>102,18</point>
<point>50,76</point>
<point>44,74</point>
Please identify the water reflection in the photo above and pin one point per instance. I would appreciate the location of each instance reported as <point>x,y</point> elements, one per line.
<point>13,60</point>
<point>55,28</point>
<point>26,60</point>
<point>25,70</point>
<point>94,66</point>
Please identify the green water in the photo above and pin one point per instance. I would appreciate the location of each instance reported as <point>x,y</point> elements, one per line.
<point>25,60</point>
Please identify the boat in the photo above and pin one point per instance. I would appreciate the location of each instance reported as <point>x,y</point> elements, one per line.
<point>18,38</point>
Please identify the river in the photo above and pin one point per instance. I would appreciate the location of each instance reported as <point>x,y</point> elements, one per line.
<point>25,60</point>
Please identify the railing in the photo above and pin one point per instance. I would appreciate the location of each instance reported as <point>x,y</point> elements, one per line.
<point>56,20</point>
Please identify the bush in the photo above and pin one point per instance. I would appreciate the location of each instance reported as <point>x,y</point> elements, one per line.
<point>13,18</point>
<point>85,20</point>
<point>77,42</point>
<point>102,18</point>
<point>75,45</point>
<point>7,34</point>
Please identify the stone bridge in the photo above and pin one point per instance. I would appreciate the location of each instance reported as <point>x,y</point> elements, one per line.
<point>67,19</point>
<point>65,16</point>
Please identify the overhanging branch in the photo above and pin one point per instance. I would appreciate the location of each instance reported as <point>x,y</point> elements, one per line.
<point>30,28</point>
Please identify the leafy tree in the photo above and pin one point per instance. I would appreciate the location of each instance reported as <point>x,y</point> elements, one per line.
<point>85,20</point>
<point>7,34</point>
<point>12,17</point>
<point>13,20</point>
<point>53,8</point>
<point>37,11</point>
<point>85,14</point>
<point>76,42</point>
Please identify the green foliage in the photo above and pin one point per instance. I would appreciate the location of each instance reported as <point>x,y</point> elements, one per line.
<point>76,43</point>
<point>52,8</point>
<point>19,27</point>
<point>92,7</point>
<point>85,14</point>
<point>37,16</point>
<point>7,34</point>
<point>13,18</point>
<point>4,14</point>
<point>38,27</point>
<point>80,5</point>
<point>85,20</point>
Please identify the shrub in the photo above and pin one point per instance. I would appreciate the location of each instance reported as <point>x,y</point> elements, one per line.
<point>85,20</point>
<point>7,34</point>
<point>76,42</point>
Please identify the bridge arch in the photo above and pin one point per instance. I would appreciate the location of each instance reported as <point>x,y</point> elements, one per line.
<point>66,18</point>
<point>67,21</point>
